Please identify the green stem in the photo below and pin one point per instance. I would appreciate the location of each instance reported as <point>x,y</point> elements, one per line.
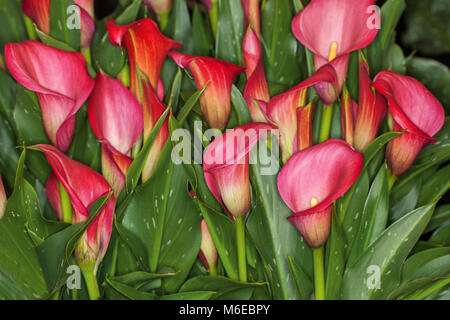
<point>212,270</point>
<point>437,285</point>
<point>319,278</point>
<point>66,205</point>
<point>392,178</point>
<point>325,126</point>
<point>91,280</point>
<point>30,28</point>
<point>214,16</point>
<point>163,20</point>
<point>240,237</point>
<point>87,55</point>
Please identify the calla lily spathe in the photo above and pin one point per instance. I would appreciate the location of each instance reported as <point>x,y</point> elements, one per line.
<point>146,46</point>
<point>282,109</point>
<point>116,117</point>
<point>312,180</point>
<point>218,75</point>
<point>349,112</point>
<point>415,110</point>
<point>61,82</point>
<point>208,251</point>
<point>252,15</point>
<point>39,12</point>
<point>159,6</point>
<point>256,88</point>
<point>332,29</point>
<point>84,187</point>
<point>226,165</point>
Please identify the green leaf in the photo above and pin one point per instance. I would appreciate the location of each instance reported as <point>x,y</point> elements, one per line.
<point>435,186</point>
<point>48,40</point>
<point>215,284</point>
<point>302,280</point>
<point>441,236</point>
<point>130,292</point>
<point>335,264</point>
<point>60,20</point>
<point>169,227</point>
<point>230,31</point>
<point>415,264</point>
<point>201,42</point>
<point>279,44</point>
<point>440,217</point>
<point>395,60</point>
<point>174,96</point>
<point>195,295</point>
<point>8,152</point>
<point>377,145</point>
<point>273,236</point>
<point>190,103</point>
<point>12,26</point>
<point>374,215</point>
<point>20,270</point>
<point>428,26</point>
<point>434,75</point>
<point>7,96</point>
<point>240,106</point>
<point>384,258</point>
<point>137,279</point>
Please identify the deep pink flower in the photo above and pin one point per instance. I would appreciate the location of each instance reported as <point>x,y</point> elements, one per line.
<point>216,99</point>
<point>116,118</point>
<point>256,88</point>
<point>312,180</point>
<point>282,109</point>
<point>413,109</point>
<point>208,251</point>
<point>371,111</point>
<point>39,12</point>
<point>332,29</point>
<point>226,165</point>
<point>349,112</point>
<point>84,187</point>
<point>60,80</point>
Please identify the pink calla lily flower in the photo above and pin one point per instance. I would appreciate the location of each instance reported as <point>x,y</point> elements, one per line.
<point>208,251</point>
<point>252,15</point>
<point>415,110</point>
<point>256,88</point>
<point>349,112</point>
<point>159,6</point>
<point>84,187</point>
<point>60,80</point>
<point>332,29</point>
<point>3,198</point>
<point>218,75</point>
<point>116,117</point>
<point>147,49</point>
<point>371,111</point>
<point>282,109</point>
<point>226,165</point>
<point>312,180</point>
<point>39,12</point>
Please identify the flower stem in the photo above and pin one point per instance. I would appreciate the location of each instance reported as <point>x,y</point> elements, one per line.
<point>87,55</point>
<point>240,236</point>
<point>30,28</point>
<point>319,278</point>
<point>392,178</point>
<point>325,126</point>
<point>91,280</point>
<point>212,270</point>
<point>66,205</point>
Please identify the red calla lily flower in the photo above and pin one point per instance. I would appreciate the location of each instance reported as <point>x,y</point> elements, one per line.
<point>208,251</point>
<point>413,109</point>
<point>252,15</point>
<point>312,180</point>
<point>60,80</point>
<point>218,75</point>
<point>256,88</point>
<point>226,165</point>
<point>84,187</point>
<point>3,198</point>
<point>282,109</point>
<point>117,121</point>
<point>147,49</point>
<point>39,12</point>
<point>332,29</point>
<point>372,110</point>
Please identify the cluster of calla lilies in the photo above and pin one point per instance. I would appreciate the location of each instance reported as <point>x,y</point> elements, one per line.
<point>312,178</point>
